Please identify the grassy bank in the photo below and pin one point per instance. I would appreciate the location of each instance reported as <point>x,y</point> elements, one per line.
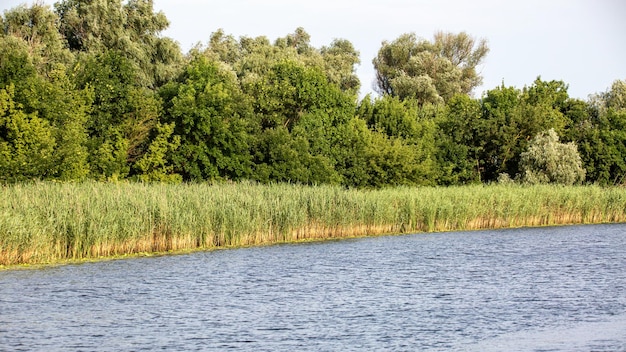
<point>52,222</point>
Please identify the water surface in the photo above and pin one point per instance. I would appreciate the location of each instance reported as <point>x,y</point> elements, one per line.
<point>543,289</point>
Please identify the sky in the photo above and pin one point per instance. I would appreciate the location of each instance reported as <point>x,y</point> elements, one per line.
<point>582,43</point>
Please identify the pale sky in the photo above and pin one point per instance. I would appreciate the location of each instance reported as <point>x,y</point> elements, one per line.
<point>580,42</point>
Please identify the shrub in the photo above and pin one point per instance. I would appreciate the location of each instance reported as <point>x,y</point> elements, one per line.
<point>549,161</point>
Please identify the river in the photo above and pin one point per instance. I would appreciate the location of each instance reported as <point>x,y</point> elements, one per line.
<point>537,289</point>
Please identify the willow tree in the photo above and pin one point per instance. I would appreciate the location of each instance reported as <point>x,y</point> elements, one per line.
<point>254,57</point>
<point>131,27</point>
<point>340,61</point>
<point>37,26</point>
<point>429,71</point>
<point>549,161</point>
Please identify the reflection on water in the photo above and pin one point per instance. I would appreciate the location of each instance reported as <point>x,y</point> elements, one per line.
<point>547,289</point>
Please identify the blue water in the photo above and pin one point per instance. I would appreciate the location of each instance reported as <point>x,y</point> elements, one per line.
<point>544,289</point>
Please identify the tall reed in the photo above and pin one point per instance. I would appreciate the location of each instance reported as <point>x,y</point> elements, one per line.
<point>50,222</point>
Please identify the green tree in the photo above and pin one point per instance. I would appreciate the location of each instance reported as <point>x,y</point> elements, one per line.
<point>131,28</point>
<point>47,92</point>
<point>66,108</point>
<point>211,118</point>
<point>253,57</point>
<point>549,161</point>
<point>282,156</point>
<point>351,153</point>
<point>511,118</point>
<point>37,26</point>
<point>301,100</point>
<point>390,115</point>
<point>340,60</point>
<point>16,64</point>
<point>290,90</point>
<point>222,47</point>
<point>614,98</point>
<point>154,164</point>
<point>408,127</point>
<point>26,142</point>
<point>430,72</point>
<point>299,40</point>
<point>601,135</point>
<point>120,108</point>
<point>392,162</point>
<point>458,147</point>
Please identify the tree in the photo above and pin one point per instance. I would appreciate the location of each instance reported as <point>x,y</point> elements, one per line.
<point>26,142</point>
<point>120,107</point>
<point>431,72</point>
<point>42,89</point>
<point>281,156</point>
<point>211,119</point>
<point>615,97</point>
<point>300,40</point>
<point>300,100</point>
<point>465,53</point>
<point>37,26</point>
<point>601,135</point>
<point>392,162</point>
<point>222,47</point>
<point>458,146</point>
<point>291,89</point>
<point>511,118</point>
<point>154,165</point>
<point>392,116</point>
<point>351,153</point>
<point>66,108</point>
<point>251,57</point>
<point>340,59</point>
<point>549,161</point>
<point>407,127</point>
<point>130,28</point>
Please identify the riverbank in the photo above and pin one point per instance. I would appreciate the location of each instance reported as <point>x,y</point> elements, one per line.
<point>46,223</point>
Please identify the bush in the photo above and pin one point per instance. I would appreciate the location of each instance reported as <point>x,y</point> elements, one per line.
<point>549,161</point>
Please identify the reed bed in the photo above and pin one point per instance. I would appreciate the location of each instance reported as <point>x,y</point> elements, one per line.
<point>52,222</point>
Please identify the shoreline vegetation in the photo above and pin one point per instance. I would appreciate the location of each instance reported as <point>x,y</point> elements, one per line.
<point>46,223</point>
<point>94,90</point>
<point>97,105</point>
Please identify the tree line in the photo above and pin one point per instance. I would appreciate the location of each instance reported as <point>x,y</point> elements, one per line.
<point>90,89</point>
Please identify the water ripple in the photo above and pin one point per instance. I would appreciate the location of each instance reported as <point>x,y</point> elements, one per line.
<point>548,289</point>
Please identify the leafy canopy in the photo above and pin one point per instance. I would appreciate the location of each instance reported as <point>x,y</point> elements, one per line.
<point>429,71</point>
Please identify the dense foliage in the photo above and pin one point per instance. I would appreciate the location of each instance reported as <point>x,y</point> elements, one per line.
<point>92,90</point>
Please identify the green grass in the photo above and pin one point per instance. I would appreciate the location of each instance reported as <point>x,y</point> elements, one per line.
<point>54,222</point>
